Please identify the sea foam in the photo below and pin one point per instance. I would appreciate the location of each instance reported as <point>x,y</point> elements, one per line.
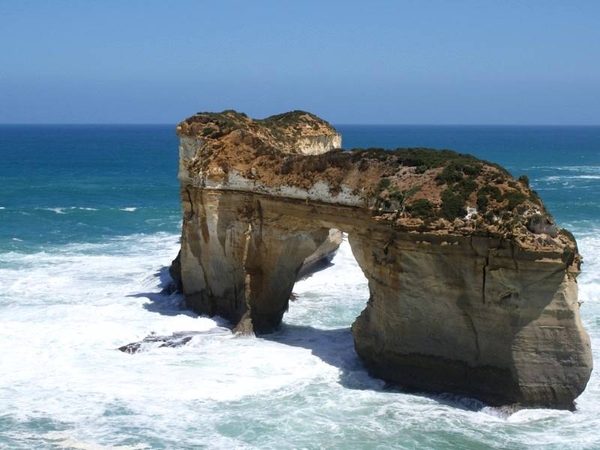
<point>65,311</point>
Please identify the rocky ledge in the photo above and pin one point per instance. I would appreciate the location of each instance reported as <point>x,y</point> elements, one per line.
<point>472,285</point>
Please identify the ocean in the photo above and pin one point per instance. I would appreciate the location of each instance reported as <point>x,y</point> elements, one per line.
<point>90,221</point>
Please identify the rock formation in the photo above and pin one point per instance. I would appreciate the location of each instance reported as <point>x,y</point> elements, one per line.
<point>472,286</point>
<point>323,255</point>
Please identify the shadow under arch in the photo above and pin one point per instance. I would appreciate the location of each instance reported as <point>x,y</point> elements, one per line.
<point>336,348</point>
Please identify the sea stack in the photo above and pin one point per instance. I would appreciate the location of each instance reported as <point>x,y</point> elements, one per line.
<point>472,285</point>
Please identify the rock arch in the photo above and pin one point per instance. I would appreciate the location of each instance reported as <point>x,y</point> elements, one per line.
<point>475,303</point>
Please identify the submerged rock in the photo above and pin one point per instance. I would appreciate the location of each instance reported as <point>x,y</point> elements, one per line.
<point>471,289</point>
<point>178,339</point>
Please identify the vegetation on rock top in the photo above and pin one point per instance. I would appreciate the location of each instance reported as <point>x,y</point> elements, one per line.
<point>283,127</point>
<point>408,187</point>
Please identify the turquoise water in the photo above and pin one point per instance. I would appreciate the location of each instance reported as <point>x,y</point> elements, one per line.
<point>66,184</point>
<point>90,220</point>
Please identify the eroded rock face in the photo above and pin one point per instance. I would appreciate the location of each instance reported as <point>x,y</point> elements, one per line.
<point>472,286</point>
<point>472,315</point>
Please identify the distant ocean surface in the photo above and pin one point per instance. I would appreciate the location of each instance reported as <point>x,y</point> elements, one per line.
<point>89,222</point>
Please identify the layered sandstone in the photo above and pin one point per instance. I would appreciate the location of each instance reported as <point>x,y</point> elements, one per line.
<point>472,286</point>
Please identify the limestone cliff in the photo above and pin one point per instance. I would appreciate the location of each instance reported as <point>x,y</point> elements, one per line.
<point>472,286</point>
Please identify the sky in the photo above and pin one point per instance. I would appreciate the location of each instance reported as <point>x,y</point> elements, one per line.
<point>377,62</point>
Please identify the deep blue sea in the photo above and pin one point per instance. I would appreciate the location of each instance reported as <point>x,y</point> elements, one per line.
<point>89,221</point>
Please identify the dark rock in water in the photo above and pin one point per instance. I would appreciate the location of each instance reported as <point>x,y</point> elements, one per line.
<point>177,339</point>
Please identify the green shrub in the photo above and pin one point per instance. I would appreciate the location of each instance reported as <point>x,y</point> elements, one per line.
<point>482,203</point>
<point>472,170</point>
<point>450,174</point>
<point>424,158</point>
<point>490,191</point>
<point>384,183</point>
<point>456,171</point>
<point>465,187</point>
<point>453,205</point>
<point>515,198</point>
<point>412,191</point>
<point>421,208</point>
<point>333,158</point>
<point>395,194</point>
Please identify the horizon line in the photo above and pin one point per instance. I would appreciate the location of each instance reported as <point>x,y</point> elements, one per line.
<point>332,123</point>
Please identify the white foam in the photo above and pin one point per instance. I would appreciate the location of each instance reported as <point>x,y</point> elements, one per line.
<point>569,168</point>
<point>64,312</point>
<point>566,178</point>
<point>65,440</point>
<point>324,289</point>
<point>128,209</point>
<point>67,209</point>
<point>55,210</point>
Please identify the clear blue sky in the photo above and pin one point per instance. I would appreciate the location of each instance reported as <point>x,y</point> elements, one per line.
<point>412,62</point>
